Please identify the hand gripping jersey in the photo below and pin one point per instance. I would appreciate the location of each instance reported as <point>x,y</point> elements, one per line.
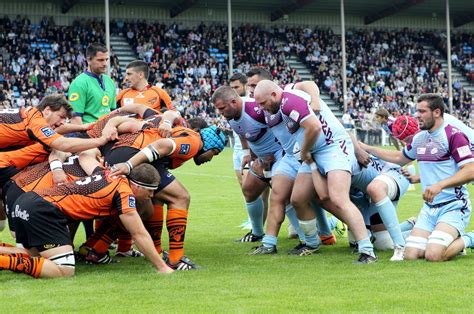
<point>252,126</point>
<point>90,197</point>
<point>295,109</point>
<point>280,131</point>
<point>152,117</point>
<point>40,176</point>
<point>187,144</point>
<point>95,129</point>
<point>23,127</point>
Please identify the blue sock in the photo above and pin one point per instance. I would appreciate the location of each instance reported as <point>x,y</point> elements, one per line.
<point>332,221</point>
<point>365,246</point>
<point>407,225</point>
<point>311,232</point>
<point>406,234</point>
<point>321,220</point>
<point>388,213</point>
<point>269,240</point>
<point>291,214</point>
<point>255,210</point>
<point>468,239</point>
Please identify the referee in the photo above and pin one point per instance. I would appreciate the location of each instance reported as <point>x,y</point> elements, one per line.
<point>92,93</point>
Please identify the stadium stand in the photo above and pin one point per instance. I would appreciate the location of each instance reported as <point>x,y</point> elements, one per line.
<point>385,68</point>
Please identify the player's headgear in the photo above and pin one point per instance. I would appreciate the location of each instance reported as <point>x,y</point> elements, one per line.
<point>212,138</point>
<point>405,127</point>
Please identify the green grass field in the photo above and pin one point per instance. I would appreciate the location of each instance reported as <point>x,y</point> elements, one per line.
<point>232,281</point>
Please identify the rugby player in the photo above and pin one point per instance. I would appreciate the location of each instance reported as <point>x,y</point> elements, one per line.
<point>446,164</point>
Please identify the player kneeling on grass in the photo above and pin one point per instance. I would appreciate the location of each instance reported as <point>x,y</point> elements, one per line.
<point>446,164</point>
<point>41,219</point>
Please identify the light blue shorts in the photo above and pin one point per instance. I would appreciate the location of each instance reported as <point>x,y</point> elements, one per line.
<point>455,214</point>
<point>366,175</point>
<point>287,166</point>
<point>278,157</point>
<point>238,155</point>
<point>337,156</point>
<point>362,178</point>
<point>362,202</point>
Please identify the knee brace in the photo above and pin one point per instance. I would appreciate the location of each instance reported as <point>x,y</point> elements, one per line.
<point>441,238</point>
<point>392,186</point>
<point>64,259</point>
<point>416,242</point>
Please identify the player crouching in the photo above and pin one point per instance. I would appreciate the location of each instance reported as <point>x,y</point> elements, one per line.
<point>41,220</point>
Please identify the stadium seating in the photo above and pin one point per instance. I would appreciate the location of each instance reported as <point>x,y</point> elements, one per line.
<point>384,68</point>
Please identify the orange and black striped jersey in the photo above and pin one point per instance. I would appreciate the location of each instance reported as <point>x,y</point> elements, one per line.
<point>40,176</point>
<point>24,157</point>
<point>25,126</point>
<point>151,117</point>
<point>187,144</point>
<point>152,96</point>
<point>98,195</point>
<point>95,129</point>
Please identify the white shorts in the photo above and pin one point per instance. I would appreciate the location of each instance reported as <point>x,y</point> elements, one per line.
<point>238,155</point>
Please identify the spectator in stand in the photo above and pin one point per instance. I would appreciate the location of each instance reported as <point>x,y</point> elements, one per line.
<point>347,121</point>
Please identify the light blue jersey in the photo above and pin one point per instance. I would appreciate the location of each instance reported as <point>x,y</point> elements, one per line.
<point>469,132</point>
<point>252,127</point>
<point>333,149</point>
<point>279,129</point>
<point>440,154</point>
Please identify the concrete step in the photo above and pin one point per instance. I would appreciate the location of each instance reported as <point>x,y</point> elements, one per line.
<point>131,55</point>
<point>119,43</point>
<point>122,50</point>
<point>122,47</point>
<point>125,54</point>
<point>126,58</point>
<point>306,74</point>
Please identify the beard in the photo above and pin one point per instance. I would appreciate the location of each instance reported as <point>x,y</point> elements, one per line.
<point>427,125</point>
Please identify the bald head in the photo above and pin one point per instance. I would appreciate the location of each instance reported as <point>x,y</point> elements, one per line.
<point>268,95</point>
<point>264,88</point>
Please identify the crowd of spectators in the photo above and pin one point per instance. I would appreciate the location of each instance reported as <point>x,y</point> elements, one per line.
<point>462,55</point>
<point>384,68</point>
<point>191,63</point>
<point>43,58</point>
